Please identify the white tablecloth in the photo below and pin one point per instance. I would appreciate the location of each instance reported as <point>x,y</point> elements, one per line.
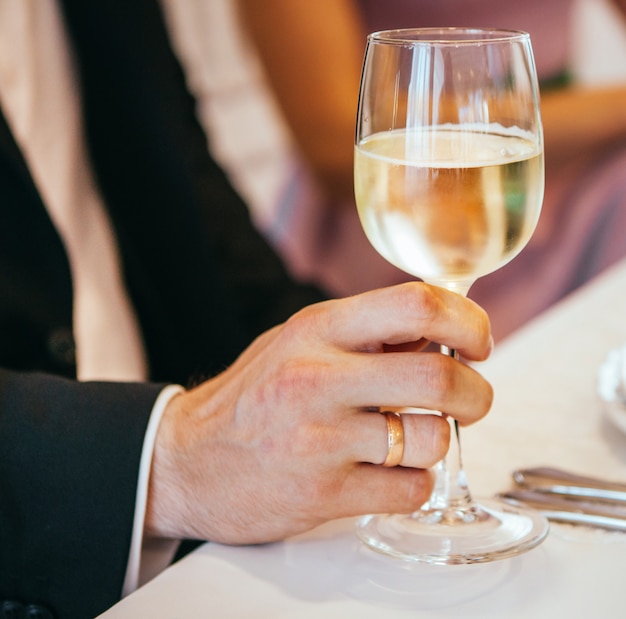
<point>546,412</point>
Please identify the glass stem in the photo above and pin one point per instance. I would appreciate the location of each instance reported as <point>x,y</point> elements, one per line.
<point>451,491</point>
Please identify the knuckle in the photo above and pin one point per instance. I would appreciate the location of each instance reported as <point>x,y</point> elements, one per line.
<point>439,375</point>
<point>299,378</point>
<point>305,321</point>
<point>294,326</point>
<point>424,301</point>
<point>318,490</point>
<point>290,386</point>
<point>312,439</point>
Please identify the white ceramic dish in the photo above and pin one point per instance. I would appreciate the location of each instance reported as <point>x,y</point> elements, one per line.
<point>612,387</point>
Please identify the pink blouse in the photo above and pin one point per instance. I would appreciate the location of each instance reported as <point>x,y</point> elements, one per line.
<point>547,21</point>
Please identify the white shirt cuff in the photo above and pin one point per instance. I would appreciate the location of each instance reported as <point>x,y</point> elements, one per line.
<point>148,557</point>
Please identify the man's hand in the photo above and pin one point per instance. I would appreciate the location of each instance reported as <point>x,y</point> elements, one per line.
<point>291,434</point>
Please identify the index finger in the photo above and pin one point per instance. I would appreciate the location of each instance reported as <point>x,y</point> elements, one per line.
<point>406,313</point>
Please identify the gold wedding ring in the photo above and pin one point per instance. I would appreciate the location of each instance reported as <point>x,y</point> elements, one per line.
<point>395,439</point>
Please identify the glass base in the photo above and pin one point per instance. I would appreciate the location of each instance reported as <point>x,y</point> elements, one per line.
<point>479,533</point>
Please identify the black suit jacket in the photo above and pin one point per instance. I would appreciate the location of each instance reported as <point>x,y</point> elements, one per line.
<point>202,280</point>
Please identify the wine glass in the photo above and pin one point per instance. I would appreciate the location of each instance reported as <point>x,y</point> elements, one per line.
<point>449,180</point>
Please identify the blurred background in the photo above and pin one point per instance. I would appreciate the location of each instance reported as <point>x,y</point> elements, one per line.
<point>601,57</point>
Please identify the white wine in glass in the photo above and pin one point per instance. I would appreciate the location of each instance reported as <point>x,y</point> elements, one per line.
<point>449,181</point>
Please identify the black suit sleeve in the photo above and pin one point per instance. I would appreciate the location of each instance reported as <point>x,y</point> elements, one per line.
<point>68,477</point>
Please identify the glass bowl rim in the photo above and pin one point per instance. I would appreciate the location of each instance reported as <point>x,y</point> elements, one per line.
<point>447,36</point>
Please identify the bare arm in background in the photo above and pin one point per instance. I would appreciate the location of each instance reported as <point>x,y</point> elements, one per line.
<point>313,53</point>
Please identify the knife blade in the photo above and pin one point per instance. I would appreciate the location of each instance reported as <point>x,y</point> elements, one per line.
<point>556,481</point>
<point>556,509</point>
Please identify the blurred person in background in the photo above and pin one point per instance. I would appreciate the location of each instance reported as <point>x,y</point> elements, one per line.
<point>312,55</point>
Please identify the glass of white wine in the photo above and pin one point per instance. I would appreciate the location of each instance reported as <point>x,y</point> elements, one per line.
<point>449,181</point>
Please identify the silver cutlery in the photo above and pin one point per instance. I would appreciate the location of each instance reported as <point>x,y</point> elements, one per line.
<point>570,498</point>
<point>600,515</point>
<point>555,481</point>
